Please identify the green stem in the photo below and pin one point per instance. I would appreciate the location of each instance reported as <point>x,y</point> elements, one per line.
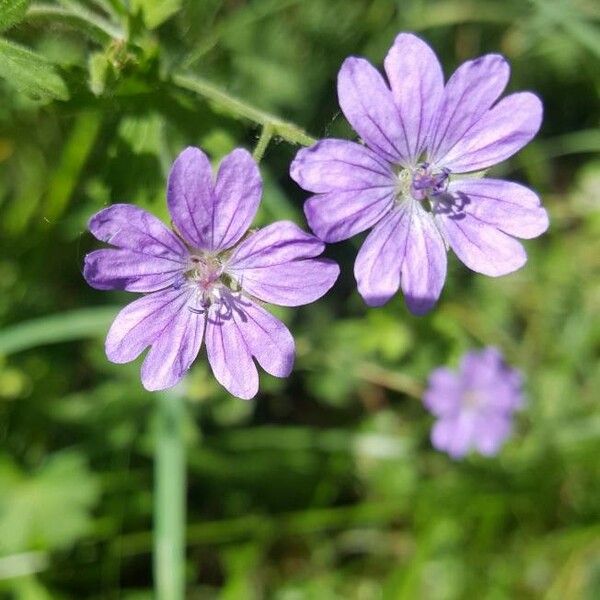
<point>169,498</point>
<point>288,131</point>
<point>263,141</point>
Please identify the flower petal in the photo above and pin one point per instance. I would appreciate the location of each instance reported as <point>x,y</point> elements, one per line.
<point>469,93</point>
<point>499,385</point>
<point>331,165</point>
<point>367,103</point>
<point>237,194</point>
<point>230,358</point>
<point>404,248</point>
<point>267,339</point>
<point>191,198</point>
<point>213,216</point>
<point>508,206</point>
<point>443,395</point>
<point>480,246</point>
<point>173,352</point>
<point>355,187</point>
<point>455,435</point>
<point>337,216</point>
<point>140,323</point>
<point>491,433</point>
<point>111,269</point>
<point>129,227</point>
<point>276,264</point>
<point>500,133</point>
<point>417,83</point>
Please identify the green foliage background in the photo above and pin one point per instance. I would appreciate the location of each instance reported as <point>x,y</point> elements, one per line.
<point>326,485</point>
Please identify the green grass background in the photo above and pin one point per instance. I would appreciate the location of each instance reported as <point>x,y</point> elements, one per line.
<point>326,485</point>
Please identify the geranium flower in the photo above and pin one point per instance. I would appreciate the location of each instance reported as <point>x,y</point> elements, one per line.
<point>204,278</point>
<point>407,182</point>
<point>474,406</point>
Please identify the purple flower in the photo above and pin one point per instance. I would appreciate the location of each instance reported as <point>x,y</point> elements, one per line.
<point>406,181</point>
<point>474,406</point>
<point>205,279</point>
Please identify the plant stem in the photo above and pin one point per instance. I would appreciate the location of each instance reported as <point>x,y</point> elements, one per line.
<point>288,131</point>
<point>392,380</point>
<point>263,141</point>
<point>169,497</point>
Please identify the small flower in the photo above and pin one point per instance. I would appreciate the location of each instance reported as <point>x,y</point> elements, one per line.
<point>474,406</point>
<point>205,279</point>
<point>406,181</point>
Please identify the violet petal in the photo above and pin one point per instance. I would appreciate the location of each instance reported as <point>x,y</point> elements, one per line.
<point>116,269</point>
<point>444,392</point>
<point>276,265</point>
<point>129,227</point>
<point>480,246</point>
<point>237,195</point>
<point>404,248</point>
<point>489,436</point>
<point>510,207</point>
<point>229,357</point>
<point>141,322</point>
<point>469,93</point>
<point>191,198</point>
<point>173,351</point>
<point>454,435</point>
<point>417,83</point>
<point>367,103</point>
<point>337,216</point>
<point>213,216</point>
<point>331,165</point>
<point>267,339</point>
<point>500,133</point>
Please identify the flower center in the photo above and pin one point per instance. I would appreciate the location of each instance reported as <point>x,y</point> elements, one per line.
<point>472,399</point>
<point>422,182</point>
<point>428,182</point>
<point>212,286</point>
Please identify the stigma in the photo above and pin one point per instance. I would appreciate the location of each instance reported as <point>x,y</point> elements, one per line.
<point>427,182</point>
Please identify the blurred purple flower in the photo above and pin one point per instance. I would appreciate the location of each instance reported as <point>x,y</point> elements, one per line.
<point>474,407</point>
<point>205,278</point>
<point>420,135</point>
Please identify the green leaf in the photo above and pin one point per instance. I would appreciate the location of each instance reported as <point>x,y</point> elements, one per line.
<point>11,12</point>
<point>74,15</point>
<point>156,12</point>
<point>63,327</point>
<point>49,508</point>
<point>72,160</point>
<point>30,73</point>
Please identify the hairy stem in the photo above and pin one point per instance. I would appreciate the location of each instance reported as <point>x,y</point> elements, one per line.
<point>263,141</point>
<point>288,131</point>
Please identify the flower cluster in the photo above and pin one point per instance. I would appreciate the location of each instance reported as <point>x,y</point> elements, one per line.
<point>416,181</point>
<point>474,406</point>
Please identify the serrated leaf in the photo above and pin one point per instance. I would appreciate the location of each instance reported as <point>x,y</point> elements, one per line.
<point>30,73</point>
<point>11,12</point>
